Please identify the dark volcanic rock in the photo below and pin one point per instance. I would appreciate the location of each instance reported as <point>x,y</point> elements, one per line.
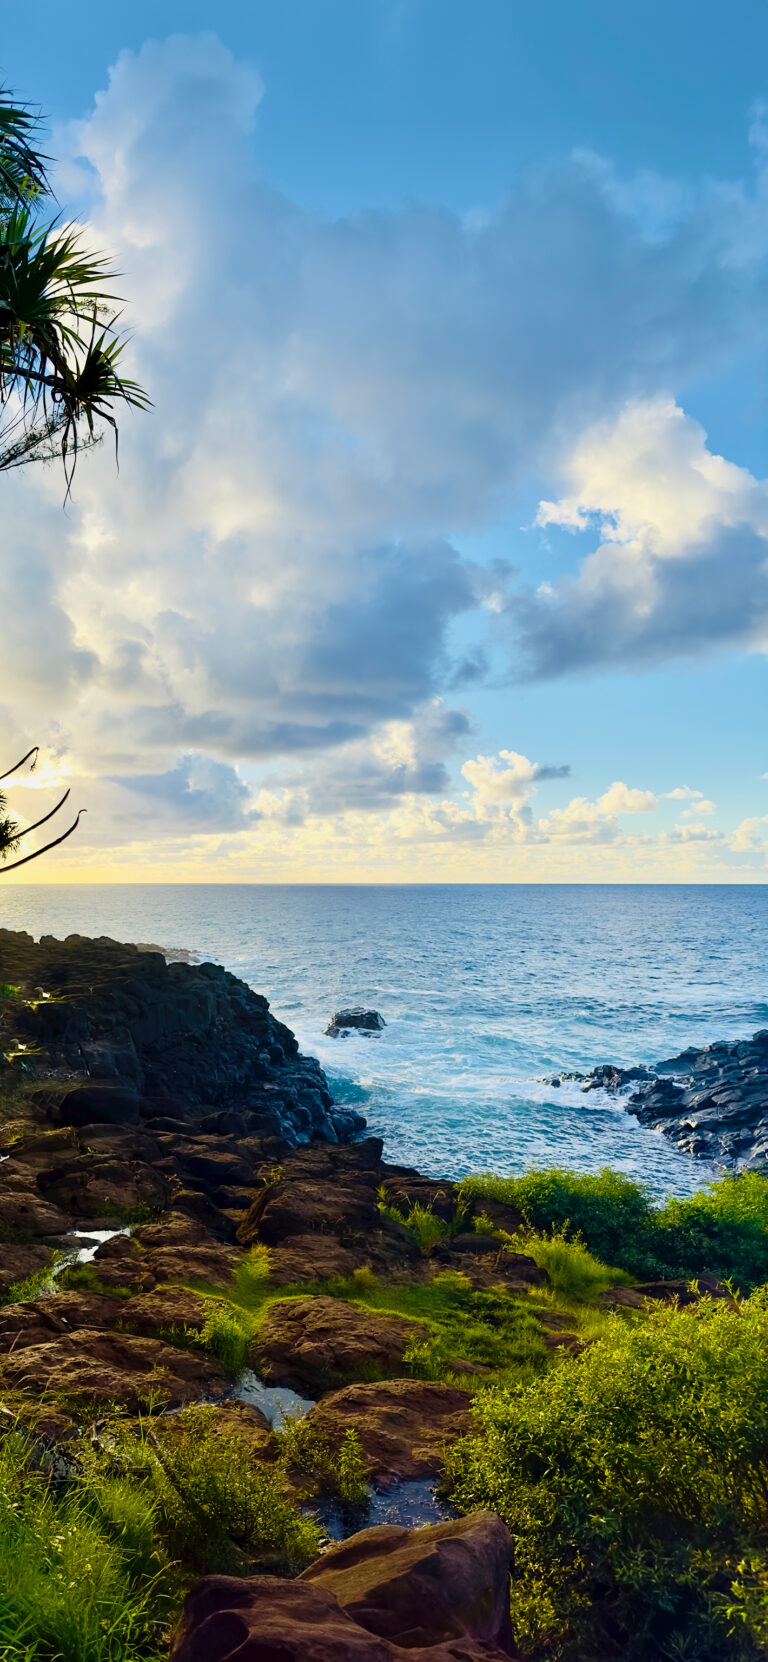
<point>356,1018</point>
<point>142,1038</point>
<point>439,1594</point>
<point>711,1102</point>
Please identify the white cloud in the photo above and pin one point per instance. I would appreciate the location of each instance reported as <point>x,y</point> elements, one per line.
<point>259,614</point>
<point>619,799</point>
<point>683,562</point>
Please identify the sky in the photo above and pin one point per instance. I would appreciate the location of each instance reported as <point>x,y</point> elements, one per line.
<point>442,554</point>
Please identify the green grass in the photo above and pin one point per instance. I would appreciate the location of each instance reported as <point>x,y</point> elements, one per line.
<point>85,1278</point>
<point>44,1280</point>
<point>93,1568</point>
<point>81,1572</point>
<point>723,1229</point>
<point>635,1484</point>
<point>303,1451</point>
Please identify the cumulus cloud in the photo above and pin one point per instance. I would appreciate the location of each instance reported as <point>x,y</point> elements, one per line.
<point>619,799</point>
<point>682,564</point>
<point>273,594</point>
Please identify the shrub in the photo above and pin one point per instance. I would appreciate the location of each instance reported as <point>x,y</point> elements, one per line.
<point>723,1229</point>
<point>634,1483</point>
<point>217,1508</point>
<point>573,1271</point>
<point>227,1333</point>
<point>336,1471</point>
<point>421,1222</point>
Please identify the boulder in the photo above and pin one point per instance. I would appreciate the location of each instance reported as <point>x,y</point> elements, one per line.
<point>356,1019</point>
<point>422,1587</point>
<point>439,1594</point>
<point>314,1344</point>
<point>403,1425</point>
<point>19,1262</point>
<point>97,1368</point>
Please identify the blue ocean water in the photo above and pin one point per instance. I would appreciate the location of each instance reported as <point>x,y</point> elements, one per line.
<point>484,990</point>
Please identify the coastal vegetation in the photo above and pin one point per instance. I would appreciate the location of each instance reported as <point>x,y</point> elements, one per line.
<point>634,1483</point>
<point>723,1228</point>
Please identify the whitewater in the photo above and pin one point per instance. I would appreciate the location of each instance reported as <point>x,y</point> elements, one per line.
<point>485,990</point>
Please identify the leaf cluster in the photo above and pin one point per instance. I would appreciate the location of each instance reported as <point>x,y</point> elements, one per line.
<point>61,375</point>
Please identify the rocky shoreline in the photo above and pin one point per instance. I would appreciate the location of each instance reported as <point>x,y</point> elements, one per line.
<point>711,1102</point>
<point>191,1227</point>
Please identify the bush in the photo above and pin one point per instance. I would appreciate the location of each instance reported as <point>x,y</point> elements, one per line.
<point>723,1229</point>
<point>227,1334</point>
<point>217,1508</point>
<point>634,1483</point>
<point>426,1228</point>
<point>573,1272</point>
<point>335,1471</point>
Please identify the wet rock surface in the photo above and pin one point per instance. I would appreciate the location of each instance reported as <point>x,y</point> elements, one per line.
<point>440,1593</point>
<point>354,1019</point>
<point>712,1102</point>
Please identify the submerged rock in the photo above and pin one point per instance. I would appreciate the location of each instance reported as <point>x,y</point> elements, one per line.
<point>439,1594</point>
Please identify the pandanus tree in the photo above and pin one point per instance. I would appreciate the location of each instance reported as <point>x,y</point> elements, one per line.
<point>61,379</point>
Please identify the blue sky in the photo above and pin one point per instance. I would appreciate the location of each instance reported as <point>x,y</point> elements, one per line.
<point>450,525</point>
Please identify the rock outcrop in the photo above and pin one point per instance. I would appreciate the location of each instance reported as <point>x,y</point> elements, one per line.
<point>711,1102</point>
<point>139,1039</point>
<point>356,1019</point>
<point>439,1594</point>
<point>402,1425</point>
<point>314,1344</point>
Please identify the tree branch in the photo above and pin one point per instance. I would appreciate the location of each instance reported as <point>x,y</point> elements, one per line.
<point>35,751</point>
<point>44,850</point>
<point>45,818</point>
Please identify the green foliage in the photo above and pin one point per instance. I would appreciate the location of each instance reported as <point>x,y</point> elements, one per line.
<point>85,1278</point>
<point>227,1334</point>
<point>635,1483</point>
<point>44,1280</point>
<point>339,1471</point>
<point>480,1325</point>
<point>252,1274</point>
<point>218,1508</point>
<point>573,1271</point>
<point>723,1229</point>
<point>82,1576</point>
<point>7,989</point>
<point>60,349</point>
<point>421,1222</point>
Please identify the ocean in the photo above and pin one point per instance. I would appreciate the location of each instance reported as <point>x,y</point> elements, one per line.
<point>485,989</point>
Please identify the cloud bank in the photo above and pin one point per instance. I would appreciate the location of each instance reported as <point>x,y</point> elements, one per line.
<point>269,620</point>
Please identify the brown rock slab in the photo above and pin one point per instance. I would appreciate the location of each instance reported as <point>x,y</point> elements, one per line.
<point>19,1262</point>
<point>163,1311</point>
<point>120,1263</point>
<point>37,1321</point>
<point>314,1344</point>
<point>97,1368</point>
<point>310,1258</point>
<point>403,1425</point>
<point>421,1587</point>
<point>388,1595</point>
